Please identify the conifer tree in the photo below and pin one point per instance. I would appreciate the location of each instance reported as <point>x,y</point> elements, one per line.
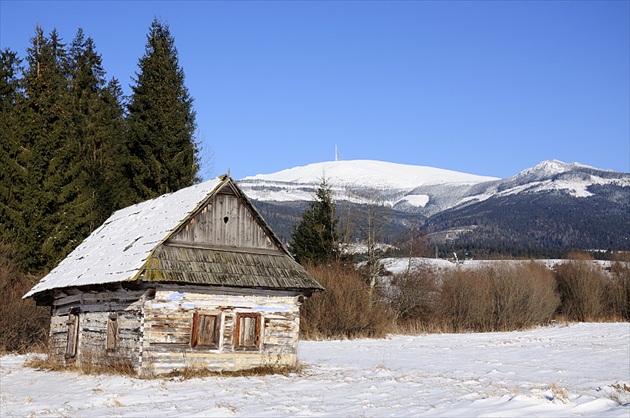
<point>161,120</point>
<point>82,165</point>
<point>46,119</point>
<point>314,238</point>
<point>12,175</point>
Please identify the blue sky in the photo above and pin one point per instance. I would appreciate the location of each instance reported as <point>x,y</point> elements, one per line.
<point>487,88</point>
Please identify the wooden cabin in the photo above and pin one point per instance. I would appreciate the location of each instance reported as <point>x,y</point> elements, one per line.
<point>192,279</point>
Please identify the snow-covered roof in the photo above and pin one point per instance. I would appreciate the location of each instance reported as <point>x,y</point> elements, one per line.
<point>119,248</point>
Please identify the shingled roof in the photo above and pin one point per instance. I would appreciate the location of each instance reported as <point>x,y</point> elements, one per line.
<point>129,247</point>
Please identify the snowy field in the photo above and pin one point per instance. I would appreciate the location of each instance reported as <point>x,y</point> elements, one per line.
<point>555,371</point>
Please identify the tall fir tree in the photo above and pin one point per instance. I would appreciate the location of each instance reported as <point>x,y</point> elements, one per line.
<point>82,165</point>
<point>46,120</point>
<point>12,174</point>
<point>117,154</point>
<point>161,121</point>
<point>314,239</point>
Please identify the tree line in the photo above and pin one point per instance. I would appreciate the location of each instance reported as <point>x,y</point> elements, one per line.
<point>74,149</point>
<point>362,299</point>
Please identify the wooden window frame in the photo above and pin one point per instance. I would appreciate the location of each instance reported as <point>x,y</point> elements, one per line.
<point>112,332</point>
<point>72,339</point>
<point>201,336</point>
<point>240,342</point>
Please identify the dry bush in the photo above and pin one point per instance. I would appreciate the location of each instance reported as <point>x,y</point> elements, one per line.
<point>618,290</point>
<point>524,295</point>
<point>23,326</point>
<point>466,303</point>
<point>500,298</point>
<point>415,296</point>
<point>582,287</point>
<point>346,309</point>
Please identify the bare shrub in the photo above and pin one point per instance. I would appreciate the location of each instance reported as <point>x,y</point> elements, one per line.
<point>524,295</point>
<point>345,309</point>
<point>582,288</point>
<point>23,326</point>
<point>618,290</point>
<point>499,298</point>
<point>466,301</point>
<point>415,296</point>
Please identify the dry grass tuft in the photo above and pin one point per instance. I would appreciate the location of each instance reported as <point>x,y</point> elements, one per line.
<point>620,393</point>
<point>271,369</point>
<point>114,367</point>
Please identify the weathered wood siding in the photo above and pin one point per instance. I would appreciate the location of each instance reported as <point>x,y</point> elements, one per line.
<point>94,310</point>
<point>168,326</point>
<point>224,221</point>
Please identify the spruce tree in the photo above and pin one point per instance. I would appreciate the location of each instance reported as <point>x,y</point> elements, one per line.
<point>45,129</point>
<point>82,165</point>
<point>314,238</point>
<point>117,154</point>
<point>12,174</point>
<point>161,120</point>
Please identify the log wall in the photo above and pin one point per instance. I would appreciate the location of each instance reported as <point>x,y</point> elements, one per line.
<point>94,310</point>
<point>153,328</point>
<point>168,326</point>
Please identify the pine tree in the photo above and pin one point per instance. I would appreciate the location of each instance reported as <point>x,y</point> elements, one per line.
<point>314,238</point>
<point>161,121</point>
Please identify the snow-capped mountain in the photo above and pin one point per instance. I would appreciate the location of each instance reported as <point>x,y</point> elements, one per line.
<point>398,186</point>
<point>420,189</point>
<point>552,203</point>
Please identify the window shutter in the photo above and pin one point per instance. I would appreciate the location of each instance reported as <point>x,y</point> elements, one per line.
<point>195,330</point>
<point>112,331</point>
<point>73,333</point>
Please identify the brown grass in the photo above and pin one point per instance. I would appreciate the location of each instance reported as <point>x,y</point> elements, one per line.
<point>120,367</point>
<point>86,366</point>
<point>620,393</point>
<point>270,369</point>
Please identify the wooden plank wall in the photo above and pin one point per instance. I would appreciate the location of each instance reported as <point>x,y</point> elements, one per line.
<point>225,221</point>
<point>168,324</point>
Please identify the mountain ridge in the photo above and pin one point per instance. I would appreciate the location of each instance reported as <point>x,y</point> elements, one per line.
<point>566,200</point>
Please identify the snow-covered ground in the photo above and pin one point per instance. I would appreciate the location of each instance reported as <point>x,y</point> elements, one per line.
<point>553,371</point>
<point>399,265</point>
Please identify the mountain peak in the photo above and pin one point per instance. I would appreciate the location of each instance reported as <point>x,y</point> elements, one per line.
<point>552,167</point>
<point>370,173</point>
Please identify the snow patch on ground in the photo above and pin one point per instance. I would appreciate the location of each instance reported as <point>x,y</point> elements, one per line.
<point>414,200</point>
<point>397,265</point>
<point>552,372</point>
